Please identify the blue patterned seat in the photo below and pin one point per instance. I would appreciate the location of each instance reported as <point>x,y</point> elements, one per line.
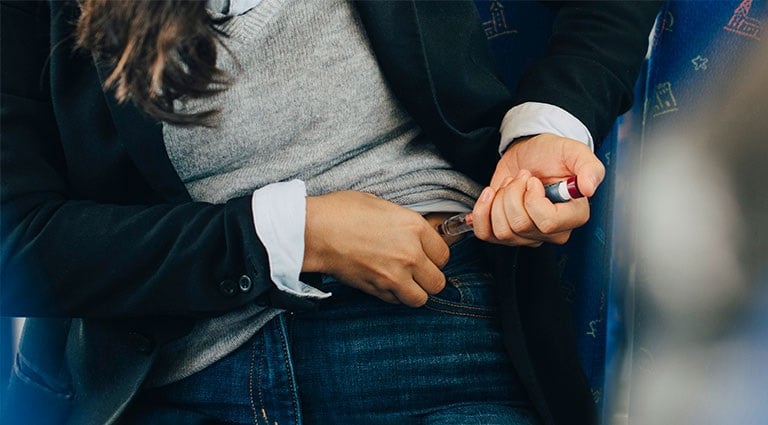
<point>696,45</point>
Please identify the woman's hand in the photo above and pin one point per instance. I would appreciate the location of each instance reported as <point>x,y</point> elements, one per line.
<point>514,209</point>
<point>374,245</point>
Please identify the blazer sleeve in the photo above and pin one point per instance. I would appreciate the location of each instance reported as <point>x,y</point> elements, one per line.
<point>594,58</point>
<point>66,255</point>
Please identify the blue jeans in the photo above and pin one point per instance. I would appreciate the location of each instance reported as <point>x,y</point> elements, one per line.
<point>359,360</point>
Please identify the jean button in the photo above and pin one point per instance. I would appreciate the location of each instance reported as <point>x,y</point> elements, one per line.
<point>245,283</point>
<point>227,287</point>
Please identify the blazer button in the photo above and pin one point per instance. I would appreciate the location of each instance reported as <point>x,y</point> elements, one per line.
<point>227,287</point>
<point>245,283</point>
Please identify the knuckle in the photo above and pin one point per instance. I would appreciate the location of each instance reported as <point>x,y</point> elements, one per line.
<point>437,285</point>
<point>481,232</point>
<point>386,282</point>
<point>388,297</point>
<point>561,238</point>
<point>418,229</point>
<point>414,224</point>
<point>416,300</point>
<point>547,226</point>
<point>503,234</point>
<point>421,300</point>
<point>485,237</point>
<point>405,258</point>
<point>417,221</point>
<point>410,261</point>
<point>586,217</point>
<point>443,256</point>
<point>382,284</point>
<point>520,225</point>
<point>601,168</point>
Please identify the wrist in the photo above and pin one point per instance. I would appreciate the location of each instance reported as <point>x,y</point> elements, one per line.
<point>313,241</point>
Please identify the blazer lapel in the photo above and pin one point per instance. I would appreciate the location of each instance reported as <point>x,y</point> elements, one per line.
<point>435,56</point>
<point>467,88</point>
<point>393,32</point>
<point>142,138</point>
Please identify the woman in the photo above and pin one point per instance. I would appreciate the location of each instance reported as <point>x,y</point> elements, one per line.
<point>258,244</point>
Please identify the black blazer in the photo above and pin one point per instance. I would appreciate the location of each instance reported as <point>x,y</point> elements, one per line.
<point>97,225</point>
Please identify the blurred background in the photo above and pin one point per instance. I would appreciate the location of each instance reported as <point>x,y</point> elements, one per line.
<point>699,223</point>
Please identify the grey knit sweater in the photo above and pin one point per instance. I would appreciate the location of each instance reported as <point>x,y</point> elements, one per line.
<point>307,102</point>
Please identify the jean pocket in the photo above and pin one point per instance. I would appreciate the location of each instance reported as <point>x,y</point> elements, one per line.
<point>469,294</point>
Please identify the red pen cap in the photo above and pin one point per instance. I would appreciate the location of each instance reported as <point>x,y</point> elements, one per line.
<point>573,189</point>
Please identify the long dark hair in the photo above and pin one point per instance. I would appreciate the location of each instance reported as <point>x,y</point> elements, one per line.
<point>159,50</point>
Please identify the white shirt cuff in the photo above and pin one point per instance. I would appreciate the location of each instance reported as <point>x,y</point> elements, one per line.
<point>279,216</point>
<point>531,118</point>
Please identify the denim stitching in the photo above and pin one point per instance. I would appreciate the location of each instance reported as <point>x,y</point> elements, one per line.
<point>456,313</point>
<point>452,304</point>
<point>261,374</point>
<point>292,384</point>
<point>459,285</point>
<point>250,384</point>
